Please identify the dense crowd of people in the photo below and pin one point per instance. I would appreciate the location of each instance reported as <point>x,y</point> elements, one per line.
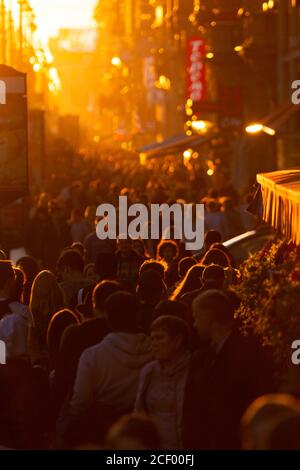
<point>132,344</point>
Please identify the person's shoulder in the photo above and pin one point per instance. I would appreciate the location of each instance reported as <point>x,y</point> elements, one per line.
<point>190,296</point>
<point>148,369</point>
<point>92,324</point>
<point>20,309</point>
<point>93,352</point>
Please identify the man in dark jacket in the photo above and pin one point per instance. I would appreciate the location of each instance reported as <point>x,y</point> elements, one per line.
<point>224,378</point>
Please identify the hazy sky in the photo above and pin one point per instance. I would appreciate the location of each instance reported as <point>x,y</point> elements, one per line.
<point>55,14</point>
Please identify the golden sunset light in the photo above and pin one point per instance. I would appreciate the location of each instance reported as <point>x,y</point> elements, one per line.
<point>52,15</point>
<point>149,232</point>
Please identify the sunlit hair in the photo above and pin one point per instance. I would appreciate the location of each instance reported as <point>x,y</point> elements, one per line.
<point>214,256</point>
<point>90,213</point>
<point>46,299</point>
<point>213,273</point>
<point>56,328</point>
<point>163,244</point>
<point>153,264</point>
<point>185,264</point>
<point>190,282</point>
<point>79,247</point>
<point>221,247</point>
<point>43,201</point>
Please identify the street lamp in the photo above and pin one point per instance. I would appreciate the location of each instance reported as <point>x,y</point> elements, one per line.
<point>256,128</point>
<point>116,62</point>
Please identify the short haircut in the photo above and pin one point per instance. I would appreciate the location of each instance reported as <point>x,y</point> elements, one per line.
<point>78,246</point>
<point>213,273</point>
<point>218,305</point>
<point>150,286</point>
<point>221,247</point>
<point>163,244</point>
<point>212,236</point>
<point>71,259</point>
<point>6,272</point>
<point>156,265</point>
<point>121,310</point>
<point>103,290</point>
<point>185,264</point>
<point>174,326</point>
<point>214,256</point>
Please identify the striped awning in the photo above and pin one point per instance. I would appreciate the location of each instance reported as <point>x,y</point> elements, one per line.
<point>280,196</point>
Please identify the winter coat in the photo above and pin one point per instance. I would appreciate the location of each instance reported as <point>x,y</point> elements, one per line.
<point>161,395</point>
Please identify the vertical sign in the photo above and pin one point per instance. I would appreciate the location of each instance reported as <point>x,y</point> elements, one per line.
<point>13,135</point>
<point>195,83</point>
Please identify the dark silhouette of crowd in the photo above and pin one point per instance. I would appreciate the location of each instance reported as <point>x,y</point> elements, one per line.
<point>132,344</point>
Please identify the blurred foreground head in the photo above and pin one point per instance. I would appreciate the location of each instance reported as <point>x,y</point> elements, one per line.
<point>270,423</point>
<point>133,432</point>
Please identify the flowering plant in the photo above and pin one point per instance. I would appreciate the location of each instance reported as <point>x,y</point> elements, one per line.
<point>270,298</point>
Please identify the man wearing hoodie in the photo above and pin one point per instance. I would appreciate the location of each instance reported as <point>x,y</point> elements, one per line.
<point>108,373</point>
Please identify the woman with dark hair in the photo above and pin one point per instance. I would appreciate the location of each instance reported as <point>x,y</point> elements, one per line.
<point>46,299</point>
<point>162,382</point>
<point>168,251</point>
<point>57,326</point>
<point>30,268</point>
<point>190,282</point>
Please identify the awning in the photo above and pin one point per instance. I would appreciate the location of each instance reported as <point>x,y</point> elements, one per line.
<point>280,195</point>
<point>173,145</point>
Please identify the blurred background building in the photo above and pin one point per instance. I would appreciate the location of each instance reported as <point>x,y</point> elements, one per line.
<point>152,70</point>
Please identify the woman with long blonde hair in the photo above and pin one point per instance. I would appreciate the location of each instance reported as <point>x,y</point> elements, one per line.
<point>46,299</point>
<point>190,282</point>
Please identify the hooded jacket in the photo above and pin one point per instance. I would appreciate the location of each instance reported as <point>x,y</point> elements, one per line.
<point>161,395</point>
<point>108,373</point>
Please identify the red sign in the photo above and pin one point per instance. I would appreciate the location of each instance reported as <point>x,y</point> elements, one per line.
<point>196,85</point>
